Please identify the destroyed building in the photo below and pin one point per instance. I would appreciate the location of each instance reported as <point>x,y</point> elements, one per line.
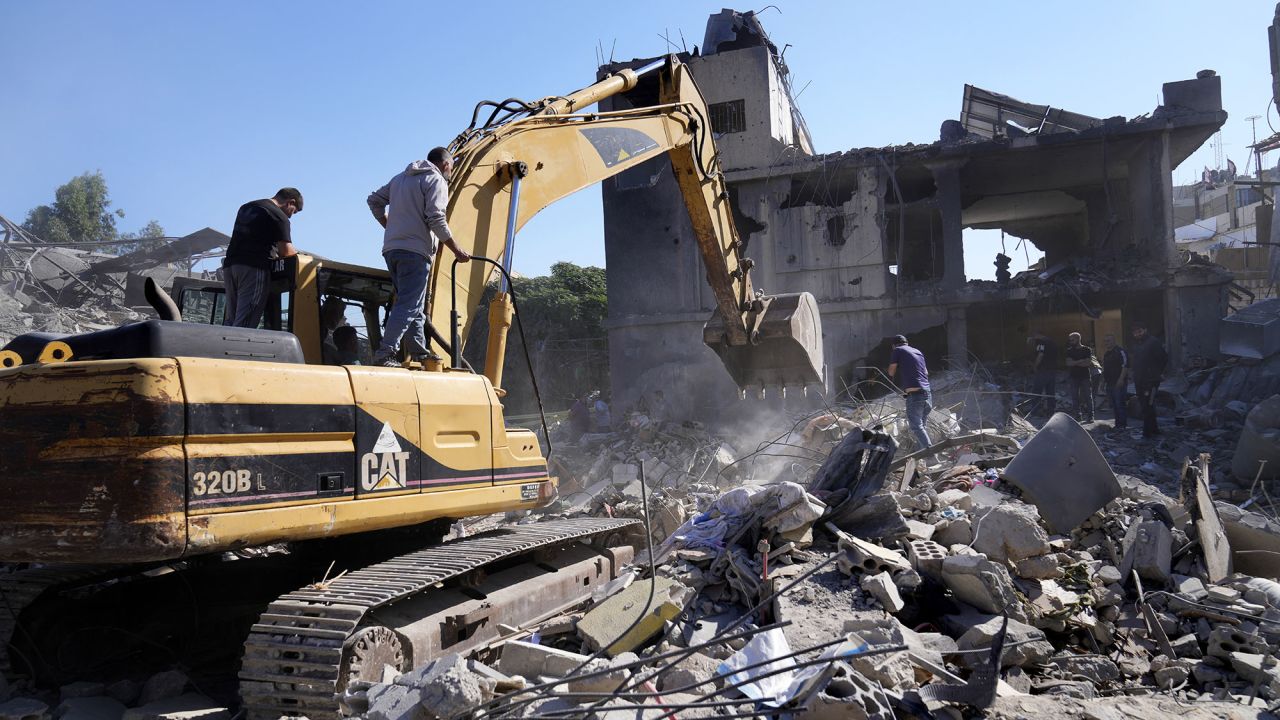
<point>878,234</point>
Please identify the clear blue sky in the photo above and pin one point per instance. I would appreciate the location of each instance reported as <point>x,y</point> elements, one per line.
<point>190,109</point>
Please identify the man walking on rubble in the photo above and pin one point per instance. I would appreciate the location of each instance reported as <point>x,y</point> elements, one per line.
<point>1115,378</point>
<point>1079,360</point>
<point>1149,359</point>
<point>913,378</point>
<point>415,225</point>
<point>1044,380</point>
<point>259,238</point>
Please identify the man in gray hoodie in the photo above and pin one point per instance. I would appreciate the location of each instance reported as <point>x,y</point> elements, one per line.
<point>414,226</point>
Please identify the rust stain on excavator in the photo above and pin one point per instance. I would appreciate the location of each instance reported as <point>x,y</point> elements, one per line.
<point>92,467</point>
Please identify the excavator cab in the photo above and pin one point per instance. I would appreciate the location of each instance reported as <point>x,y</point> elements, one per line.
<point>309,297</point>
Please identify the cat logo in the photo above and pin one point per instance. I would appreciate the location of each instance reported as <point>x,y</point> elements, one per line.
<point>386,468</point>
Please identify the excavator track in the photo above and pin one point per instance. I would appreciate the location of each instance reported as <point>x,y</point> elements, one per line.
<point>21,589</point>
<point>293,658</point>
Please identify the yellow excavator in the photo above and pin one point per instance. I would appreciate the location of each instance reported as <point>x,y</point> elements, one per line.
<point>171,442</point>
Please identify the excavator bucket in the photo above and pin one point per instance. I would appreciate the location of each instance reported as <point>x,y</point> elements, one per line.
<point>785,348</point>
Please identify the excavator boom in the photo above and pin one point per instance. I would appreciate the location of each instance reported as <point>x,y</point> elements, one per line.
<point>507,171</point>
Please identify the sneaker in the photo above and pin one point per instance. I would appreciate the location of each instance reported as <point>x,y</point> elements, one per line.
<point>386,361</point>
<point>428,357</point>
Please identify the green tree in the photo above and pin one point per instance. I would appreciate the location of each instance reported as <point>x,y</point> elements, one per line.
<point>564,316</point>
<point>150,236</point>
<point>80,213</point>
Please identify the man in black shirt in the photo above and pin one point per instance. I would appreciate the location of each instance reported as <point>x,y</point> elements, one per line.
<point>1115,379</point>
<point>1079,360</point>
<point>259,237</point>
<point>1148,358</point>
<point>1044,362</point>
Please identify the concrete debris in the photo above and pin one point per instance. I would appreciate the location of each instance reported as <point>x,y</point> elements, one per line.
<point>23,709</point>
<point>1011,532</point>
<point>67,290</point>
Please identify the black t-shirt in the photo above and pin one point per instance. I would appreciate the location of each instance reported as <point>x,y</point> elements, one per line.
<point>1049,349</point>
<point>259,226</point>
<point>1115,361</point>
<point>1079,352</point>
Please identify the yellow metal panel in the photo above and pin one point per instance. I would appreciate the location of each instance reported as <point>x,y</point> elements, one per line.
<point>304,315</point>
<point>241,381</point>
<point>457,432</point>
<point>386,401</point>
<point>209,533</point>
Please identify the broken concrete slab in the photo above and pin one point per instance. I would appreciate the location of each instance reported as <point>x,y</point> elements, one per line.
<point>530,660</point>
<point>880,586</point>
<point>606,625</point>
<point>80,690</point>
<point>1063,473</point>
<point>1148,549</point>
<point>163,685</point>
<point>447,686</point>
<point>1254,540</point>
<point>1213,539</point>
<point>983,584</point>
<point>23,709</point>
<point>191,706</point>
<point>611,676</point>
<point>89,708</point>
<point>1011,532</point>
<point>1024,645</point>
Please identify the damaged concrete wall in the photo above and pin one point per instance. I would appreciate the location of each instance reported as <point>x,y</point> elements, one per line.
<point>877,234</point>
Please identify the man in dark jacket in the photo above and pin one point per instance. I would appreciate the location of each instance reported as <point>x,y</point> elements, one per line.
<point>1115,379</point>
<point>1148,359</point>
<point>259,237</point>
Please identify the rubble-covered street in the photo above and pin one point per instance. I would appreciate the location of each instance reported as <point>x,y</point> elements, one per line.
<point>995,574</point>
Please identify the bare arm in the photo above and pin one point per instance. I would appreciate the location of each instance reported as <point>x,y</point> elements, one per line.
<point>893,368</point>
<point>285,249</point>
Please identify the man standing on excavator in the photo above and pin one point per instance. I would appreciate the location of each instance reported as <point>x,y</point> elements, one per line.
<point>259,238</point>
<point>414,226</point>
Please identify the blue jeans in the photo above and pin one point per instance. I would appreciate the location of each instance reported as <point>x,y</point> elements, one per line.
<point>1119,398</point>
<point>409,273</point>
<point>919,404</point>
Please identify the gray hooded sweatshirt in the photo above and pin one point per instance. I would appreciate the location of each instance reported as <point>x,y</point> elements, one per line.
<point>418,198</point>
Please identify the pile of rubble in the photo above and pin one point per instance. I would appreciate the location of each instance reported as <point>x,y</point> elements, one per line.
<point>57,289</point>
<point>168,695</point>
<point>982,575</point>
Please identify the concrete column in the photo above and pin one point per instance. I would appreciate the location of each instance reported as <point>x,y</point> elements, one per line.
<point>946,177</point>
<point>1151,201</point>
<point>958,336</point>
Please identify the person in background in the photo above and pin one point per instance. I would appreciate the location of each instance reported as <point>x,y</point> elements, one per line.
<point>908,364</point>
<point>346,346</point>
<point>1044,381</point>
<point>600,414</point>
<point>1079,361</point>
<point>1149,359</point>
<point>1115,379</point>
<point>579,416</point>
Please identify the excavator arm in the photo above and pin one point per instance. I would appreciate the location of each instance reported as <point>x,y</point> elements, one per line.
<point>507,170</point>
